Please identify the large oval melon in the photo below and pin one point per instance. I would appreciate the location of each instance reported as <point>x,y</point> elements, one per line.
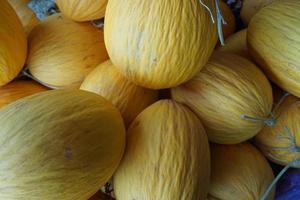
<point>13,43</point>
<point>274,42</point>
<point>59,144</point>
<point>167,156</point>
<point>227,89</point>
<point>159,44</point>
<point>129,98</point>
<point>239,172</point>
<point>63,52</point>
<point>17,90</point>
<point>82,10</point>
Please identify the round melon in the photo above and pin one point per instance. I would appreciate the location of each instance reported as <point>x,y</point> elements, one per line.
<point>239,172</point>
<point>280,143</point>
<point>27,16</point>
<point>237,44</point>
<point>13,47</point>
<point>17,90</point>
<point>167,156</point>
<point>59,144</point>
<point>62,52</point>
<point>159,44</point>
<point>223,93</point>
<point>129,98</point>
<point>230,26</point>
<point>82,10</point>
<point>274,42</point>
<point>251,7</point>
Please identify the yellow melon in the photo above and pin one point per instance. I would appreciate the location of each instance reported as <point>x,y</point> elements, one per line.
<point>274,42</point>
<point>129,98</point>
<point>167,156</point>
<point>237,44</point>
<point>27,16</point>
<point>159,44</point>
<point>17,90</point>
<point>59,144</point>
<point>82,10</point>
<point>13,47</point>
<point>251,7</point>
<point>281,142</point>
<point>239,172</point>
<point>63,52</point>
<point>223,93</point>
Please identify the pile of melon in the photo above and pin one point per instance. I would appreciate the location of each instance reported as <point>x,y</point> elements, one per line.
<point>149,106</point>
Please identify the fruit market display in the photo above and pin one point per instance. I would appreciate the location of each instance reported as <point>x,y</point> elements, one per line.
<point>149,100</point>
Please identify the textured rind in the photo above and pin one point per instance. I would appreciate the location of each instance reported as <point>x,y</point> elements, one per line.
<point>239,172</point>
<point>274,42</point>
<point>167,156</point>
<point>228,87</point>
<point>237,44</point>
<point>251,7</point>
<point>129,98</point>
<point>26,15</point>
<point>230,26</point>
<point>13,47</point>
<point>59,144</point>
<point>82,10</point>
<point>63,52</point>
<point>159,44</point>
<point>17,90</point>
<point>276,142</point>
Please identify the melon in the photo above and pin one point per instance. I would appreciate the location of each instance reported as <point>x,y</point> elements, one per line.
<point>62,52</point>
<point>27,16</point>
<point>17,90</point>
<point>59,144</point>
<point>159,44</point>
<point>237,44</point>
<point>228,89</point>
<point>239,172</point>
<point>251,7</point>
<point>129,98</point>
<point>274,43</point>
<point>167,156</point>
<point>82,10</point>
<point>280,143</point>
<point>13,48</point>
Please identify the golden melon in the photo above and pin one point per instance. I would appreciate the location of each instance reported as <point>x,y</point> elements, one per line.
<point>281,143</point>
<point>274,42</point>
<point>230,26</point>
<point>17,90</point>
<point>82,10</point>
<point>159,44</point>
<point>129,98</point>
<point>239,172</point>
<point>251,7</point>
<point>167,156</point>
<point>13,47</point>
<point>27,16</point>
<point>237,44</point>
<point>223,93</point>
<point>59,144</point>
<point>63,52</point>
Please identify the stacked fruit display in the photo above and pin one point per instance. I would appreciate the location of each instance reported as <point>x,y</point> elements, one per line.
<point>151,102</point>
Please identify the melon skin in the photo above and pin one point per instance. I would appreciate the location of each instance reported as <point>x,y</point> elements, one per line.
<point>13,48</point>
<point>167,156</point>
<point>251,7</point>
<point>59,144</point>
<point>82,10</point>
<point>159,44</point>
<point>274,43</point>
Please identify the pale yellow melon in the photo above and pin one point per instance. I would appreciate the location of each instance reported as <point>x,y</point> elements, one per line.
<point>13,43</point>
<point>167,156</point>
<point>59,144</point>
